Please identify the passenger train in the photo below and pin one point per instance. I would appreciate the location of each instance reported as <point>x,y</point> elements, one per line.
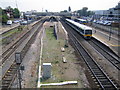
<point>81,21</point>
<point>84,30</point>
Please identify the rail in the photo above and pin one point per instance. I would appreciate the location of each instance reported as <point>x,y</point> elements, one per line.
<point>103,80</point>
<point>7,78</point>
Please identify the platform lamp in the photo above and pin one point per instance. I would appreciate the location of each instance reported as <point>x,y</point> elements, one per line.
<point>18,61</point>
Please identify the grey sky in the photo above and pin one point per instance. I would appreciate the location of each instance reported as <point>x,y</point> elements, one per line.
<point>59,5</point>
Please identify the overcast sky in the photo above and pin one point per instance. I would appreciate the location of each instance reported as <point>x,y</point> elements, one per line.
<point>59,5</point>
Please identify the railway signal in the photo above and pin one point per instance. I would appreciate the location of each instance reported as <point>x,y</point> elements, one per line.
<point>18,58</point>
<point>18,62</point>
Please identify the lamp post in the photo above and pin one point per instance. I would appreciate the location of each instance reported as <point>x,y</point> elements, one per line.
<point>110,31</point>
<point>27,22</point>
<point>110,34</point>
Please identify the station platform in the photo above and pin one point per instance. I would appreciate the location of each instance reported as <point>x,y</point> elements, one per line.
<point>110,40</point>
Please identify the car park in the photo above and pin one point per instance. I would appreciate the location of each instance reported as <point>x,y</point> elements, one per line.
<point>103,22</point>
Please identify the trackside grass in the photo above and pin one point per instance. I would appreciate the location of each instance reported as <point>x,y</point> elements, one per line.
<point>52,54</point>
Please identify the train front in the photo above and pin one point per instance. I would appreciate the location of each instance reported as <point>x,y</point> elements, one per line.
<point>88,34</point>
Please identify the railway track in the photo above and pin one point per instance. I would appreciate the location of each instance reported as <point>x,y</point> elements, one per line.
<point>103,80</point>
<point>6,54</point>
<point>10,75</point>
<point>106,52</point>
<point>9,30</point>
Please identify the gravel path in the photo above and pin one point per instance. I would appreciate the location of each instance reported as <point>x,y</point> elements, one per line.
<point>31,64</point>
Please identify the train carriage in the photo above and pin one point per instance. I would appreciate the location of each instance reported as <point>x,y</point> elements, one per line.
<point>81,21</point>
<point>85,31</point>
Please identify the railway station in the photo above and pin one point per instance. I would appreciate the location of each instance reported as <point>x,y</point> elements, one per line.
<point>70,49</point>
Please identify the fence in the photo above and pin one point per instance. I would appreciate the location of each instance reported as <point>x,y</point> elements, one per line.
<point>107,28</point>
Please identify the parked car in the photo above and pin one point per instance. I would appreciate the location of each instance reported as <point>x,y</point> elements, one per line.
<point>16,21</point>
<point>24,23</point>
<point>109,23</point>
<point>9,22</point>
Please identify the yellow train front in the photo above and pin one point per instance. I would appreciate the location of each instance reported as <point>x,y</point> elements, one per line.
<point>87,34</point>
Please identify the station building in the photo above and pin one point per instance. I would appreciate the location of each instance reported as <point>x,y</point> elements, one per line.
<point>111,14</point>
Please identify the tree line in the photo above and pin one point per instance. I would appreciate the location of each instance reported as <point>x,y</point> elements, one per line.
<point>8,14</point>
<point>82,12</point>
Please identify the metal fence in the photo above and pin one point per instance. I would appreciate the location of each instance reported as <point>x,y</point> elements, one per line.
<point>107,28</point>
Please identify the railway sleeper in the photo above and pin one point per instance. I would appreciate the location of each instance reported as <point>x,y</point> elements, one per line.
<point>11,70</point>
<point>108,86</point>
<point>3,87</point>
<point>13,66</point>
<point>97,72</point>
<point>4,83</point>
<point>9,73</point>
<point>100,75</point>
<point>106,83</point>
<point>7,78</point>
<point>102,78</point>
<point>97,69</point>
<point>93,66</point>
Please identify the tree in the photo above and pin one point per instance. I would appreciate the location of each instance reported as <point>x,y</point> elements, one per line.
<point>16,13</point>
<point>4,17</point>
<point>8,13</point>
<point>90,13</point>
<point>63,11</point>
<point>84,12</point>
<point>46,10</point>
<point>69,9</point>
